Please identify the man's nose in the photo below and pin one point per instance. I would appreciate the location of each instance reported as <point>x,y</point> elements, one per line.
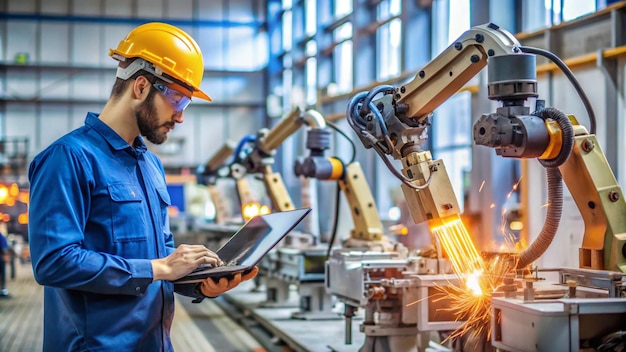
<point>178,117</point>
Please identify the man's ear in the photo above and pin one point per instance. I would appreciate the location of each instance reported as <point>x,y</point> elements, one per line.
<point>140,86</point>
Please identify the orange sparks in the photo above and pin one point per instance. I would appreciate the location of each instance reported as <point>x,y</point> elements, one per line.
<point>475,309</point>
<point>456,242</point>
<point>514,188</point>
<point>472,299</point>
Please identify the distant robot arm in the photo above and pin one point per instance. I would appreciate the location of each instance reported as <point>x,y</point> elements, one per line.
<point>209,173</point>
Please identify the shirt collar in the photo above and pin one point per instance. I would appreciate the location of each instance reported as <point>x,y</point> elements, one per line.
<point>111,137</point>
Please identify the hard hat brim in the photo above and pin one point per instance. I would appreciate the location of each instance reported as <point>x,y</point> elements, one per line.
<point>202,95</point>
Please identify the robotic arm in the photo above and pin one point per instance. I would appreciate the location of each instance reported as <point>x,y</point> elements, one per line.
<point>393,121</point>
<point>261,158</point>
<point>351,180</point>
<point>395,124</point>
<point>208,175</point>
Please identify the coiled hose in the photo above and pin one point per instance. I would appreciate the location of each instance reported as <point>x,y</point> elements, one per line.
<point>555,188</point>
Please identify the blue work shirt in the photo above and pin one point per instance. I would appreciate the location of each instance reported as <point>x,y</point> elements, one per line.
<point>97,217</point>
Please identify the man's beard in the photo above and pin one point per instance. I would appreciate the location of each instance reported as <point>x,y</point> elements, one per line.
<point>148,123</point>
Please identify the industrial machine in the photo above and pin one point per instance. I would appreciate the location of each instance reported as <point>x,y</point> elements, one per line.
<point>515,308</point>
<point>358,269</point>
<point>299,259</point>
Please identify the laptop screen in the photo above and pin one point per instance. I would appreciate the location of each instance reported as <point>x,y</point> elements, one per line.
<point>256,237</point>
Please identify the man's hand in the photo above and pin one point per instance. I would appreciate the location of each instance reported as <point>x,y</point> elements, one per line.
<point>211,288</point>
<point>182,261</point>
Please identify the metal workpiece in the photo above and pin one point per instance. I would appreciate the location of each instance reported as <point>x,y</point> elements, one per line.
<point>298,264</point>
<point>402,301</point>
<point>303,267</point>
<point>566,324</point>
<point>433,309</point>
<point>574,313</point>
<point>611,283</point>
<point>351,273</point>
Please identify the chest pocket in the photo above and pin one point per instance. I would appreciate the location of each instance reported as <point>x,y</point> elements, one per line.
<point>164,197</point>
<point>128,217</point>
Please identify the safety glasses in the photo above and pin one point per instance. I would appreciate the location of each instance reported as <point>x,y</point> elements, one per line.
<point>177,100</point>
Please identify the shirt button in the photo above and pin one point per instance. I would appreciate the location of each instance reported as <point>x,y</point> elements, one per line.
<point>132,193</point>
<point>137,289</point>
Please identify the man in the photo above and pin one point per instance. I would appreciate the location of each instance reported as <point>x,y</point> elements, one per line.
<point>4,259</point>
<point>99,230</point>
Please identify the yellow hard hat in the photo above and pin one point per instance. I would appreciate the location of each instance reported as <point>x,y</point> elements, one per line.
<point>169,49</point>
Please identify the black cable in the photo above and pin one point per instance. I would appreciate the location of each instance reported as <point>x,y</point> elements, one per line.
<point>570,75</point>
<point>338,130</point>
<point>335,222</point>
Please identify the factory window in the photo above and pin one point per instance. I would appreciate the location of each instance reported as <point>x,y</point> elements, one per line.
<point>389,39</point>
<point>287,84</point>
<point>454,118</point>
<point>287,61</point>
<point>459,13</point>
<point>311,73</point>
<point>343,32</point>
<point>342,57</point>
<point>458,162</point>
<point>287,30</point>
<point>540,14</point>
<point>343,7</point>
<point>311,48</point>
<point>388,8</point>
<point>574,8</point>
<point>451,138</point>
<point>535,15</point>
<point>450,20</point>
<point>311,81</point>
<point>311,17</point>
<point>246,49</point>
